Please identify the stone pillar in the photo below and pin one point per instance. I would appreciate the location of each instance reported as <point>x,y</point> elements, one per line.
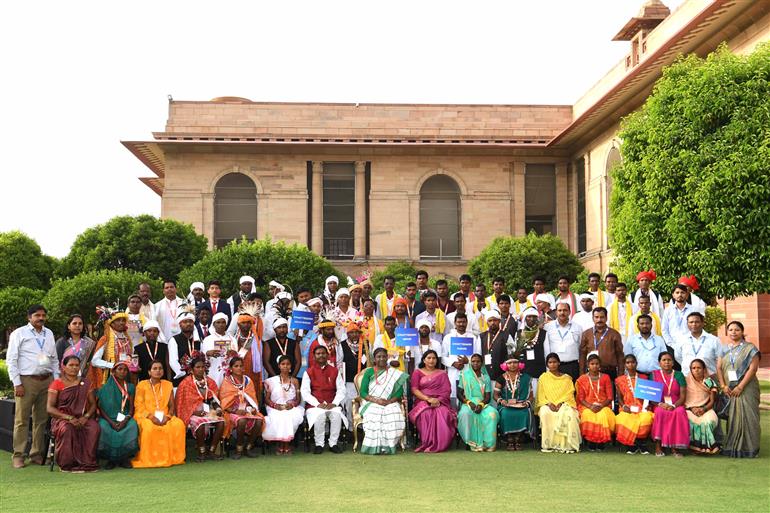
<point>359,220</point>
<point>562,207</point>
<point>317,215</point>
<point>518,199</point>
<point>207,217</point>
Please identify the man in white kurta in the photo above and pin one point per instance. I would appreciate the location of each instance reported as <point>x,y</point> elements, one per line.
<point>323,389</point>
<point>216,346</point>
<point>645,279</point>
<point>584,318</point>
<point>456,364</point>
<point>167,311</point>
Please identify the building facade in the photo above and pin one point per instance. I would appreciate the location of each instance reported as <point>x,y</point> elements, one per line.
<point>366,184</point>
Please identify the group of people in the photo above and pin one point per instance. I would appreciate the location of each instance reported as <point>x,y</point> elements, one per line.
<point>561,369</point>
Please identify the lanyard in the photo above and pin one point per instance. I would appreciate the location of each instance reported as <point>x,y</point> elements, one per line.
<point>562,335</point>
<point>692,343</point>
<point>598,386</point>
<point>732,353</point>
<point>155,394</point>
<point>75,347</point>
<point>652,339</point>
<point>205,395</point>
<point>40,342</point>
<point>669,384</point>
<point>596,344</point>
<point>123,394</point>
<point>285,346</point>
<point>152,354</point>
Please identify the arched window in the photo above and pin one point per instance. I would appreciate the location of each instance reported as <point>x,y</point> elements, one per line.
<point>235,209</point>
<point>440,219</point>
<point>613,160</point>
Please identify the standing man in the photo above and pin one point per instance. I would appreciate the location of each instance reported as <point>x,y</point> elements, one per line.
<point>698,344</point>
<point>566,296</point>
<point>509,323</point>
<point>151,350</point>
<point>584,319</point>
<point>610,282</point>
<point>413,305</point>
<point>436,317</point>
<point>32,366</point>
<point>538,285</point>
<point>182,344</point>
<point>443,302</point>
<point>323,389</point>
<point>424,344</point>
<point>455,364</point>
<point>195,297</point>
<point>522,302</point>
<point>645,345</point>
<point>530,346</point>
<point>421,278</point>
<point>563,338</point>
<point>465,288</point>
<point>246,286</point>
<point>498,289</point>
<point>621,311</point>
<point>356,360</point>
<point>675,318</point>
<point>385,300</point>
<point>147,309</point>
<point>460,306</point>
<point>601,298</point>
<point>203,321</point>
<point>645,279</point>
<point>167,310</point>
<point>216,303</point>
<point>605,342</point>
<point>692,285</point>
<point>645,309</point>
<point>495,344</point>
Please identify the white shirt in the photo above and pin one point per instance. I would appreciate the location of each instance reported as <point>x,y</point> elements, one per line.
<point>419,350</point>
<point>173,355</point>
<point>583,319</point>
<point>166,315</point>
<point>563,340</point>
<point>448,359</point>
<point>695,302</point>
<point>674,323</point>
<point>606,296</point>
<point>309,398</point>
<point>25,347</point>
<point>473,322</point>
<point>217,364</point>
<point>531,297</point>
<point>706,347</point>
<point>379,313</point>
<point>149,311</point>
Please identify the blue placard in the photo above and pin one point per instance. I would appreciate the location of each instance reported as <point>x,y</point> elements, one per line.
<point>301,320</point>
<point>648,390</point>
<point>407,337</point>
<point>461,346</point>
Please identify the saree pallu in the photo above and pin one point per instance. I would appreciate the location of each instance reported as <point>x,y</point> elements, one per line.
<point>560,430</point>
<point>123,444</point>
<point>75,447</point>
<point>671,427</point>
<point>478,430</point>
<point>159,446</point>
<point>188,400</point>
<point>383,425</point>
<point>596,427</point>
<point>241,396</point>
<point>630,426</point>
<point>742,440</point>
<point>702,439</point>
<point>436,426</point>
<point>515,420</point>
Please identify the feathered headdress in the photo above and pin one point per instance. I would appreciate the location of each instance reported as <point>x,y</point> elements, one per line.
<point>251,309</point>
<point>185,308</point>
<point>366,277</point>
<point>188,360</point>
<point>106,313</point>
<point>328,318</point>
<point>282,309</point>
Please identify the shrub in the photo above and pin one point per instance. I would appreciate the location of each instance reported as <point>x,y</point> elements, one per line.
<point>14,302</point>
<point>715,319</point>
<point>22,263</point>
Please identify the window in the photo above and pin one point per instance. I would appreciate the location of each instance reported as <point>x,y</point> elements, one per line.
<point>540,198</point>
<point>339,193</point>
<point>440,219</point>
<point>235,209</point>
<point>580,169</point>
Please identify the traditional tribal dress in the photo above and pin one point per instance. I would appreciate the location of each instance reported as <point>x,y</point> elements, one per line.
<point>193,395</point>
<point>159,446</point>
<point>514,419</point>
<point>383,425</point>
<point>634,425</point>
<point>240,395</point>
<point>280,425</point>
<point>596,427</point>
<point>478,430</point>
<point>115,401</point>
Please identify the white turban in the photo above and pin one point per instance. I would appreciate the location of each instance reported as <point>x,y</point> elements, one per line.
<point>220,315</point>
<point>586,295</point>
<point>529,311</point>
<point>151,324</point>
<point>342,292</point>
<point>186,317</point>
<point>424,322</point>
<point>332,279</point>
<point>492,313</point>
<point>197,285</point>
<point>283,295</point>
<point>312,301</point>
<point>457,294</point>
<point>245,279</point>
<point>280,322</point>
<point>546,298</point>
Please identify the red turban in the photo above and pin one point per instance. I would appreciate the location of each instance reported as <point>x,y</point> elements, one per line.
<point>690,281</point>
<point>650,275</point>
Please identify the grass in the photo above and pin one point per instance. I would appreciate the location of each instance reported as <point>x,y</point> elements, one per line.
<point>764,387</point>
<point>452,481</point>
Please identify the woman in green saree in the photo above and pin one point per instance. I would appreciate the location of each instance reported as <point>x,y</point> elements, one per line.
<point>513,395</point>
<point>477,420</point>
<point>118,442</point>
<point>737,374</point>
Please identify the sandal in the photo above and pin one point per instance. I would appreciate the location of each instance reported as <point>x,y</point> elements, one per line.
<point>201,455</point>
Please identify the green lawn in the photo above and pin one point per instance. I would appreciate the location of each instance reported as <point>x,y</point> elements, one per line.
<point>453,481</point>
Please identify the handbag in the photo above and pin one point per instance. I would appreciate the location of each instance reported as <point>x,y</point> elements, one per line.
<point>722,405</point>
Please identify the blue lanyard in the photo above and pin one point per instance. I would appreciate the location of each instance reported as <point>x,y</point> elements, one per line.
<point>692,343</point>
<point>40,342</point>
<point>569,330</point>
<point>733,353</point>
<point>596,344</point>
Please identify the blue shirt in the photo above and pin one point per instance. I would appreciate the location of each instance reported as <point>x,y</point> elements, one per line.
<point>706,347</point>
<point>646,351</point>
<point>674,323</point>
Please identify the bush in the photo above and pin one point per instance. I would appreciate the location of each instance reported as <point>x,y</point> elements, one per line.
<point>692,195</point>
<point>293,265</point>
<point>22,263</point>
<point>160,247</point>
<point>715,319</point>
<point>519,259</point>
<point>14,302</point>
<point>6,386</point>
<point>85,291</point>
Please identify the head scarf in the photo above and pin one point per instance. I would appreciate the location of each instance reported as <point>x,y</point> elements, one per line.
<point>690,281</point>
<point>218,316</point>
<point>650,275</point>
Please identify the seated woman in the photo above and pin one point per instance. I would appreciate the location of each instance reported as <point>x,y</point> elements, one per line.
<point>513,395</point>
<point>239,402</point>
<point>701,396</point>
<point>71,404</point>
<point>432,413</point>
<point>283,402</point>
<point>670,427</point>
<point>476,421</point>
<point>382,387</point>
<point>737,373</point>
<point>594,396</point>
<point>633,422</point>
<point>119,440</point>
<point>198,406</point>
<point>161,434</point>
<point>555,406</point>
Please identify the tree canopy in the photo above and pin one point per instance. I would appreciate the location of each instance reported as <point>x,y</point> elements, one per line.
<point>22,263</point>
<point>692,195</point>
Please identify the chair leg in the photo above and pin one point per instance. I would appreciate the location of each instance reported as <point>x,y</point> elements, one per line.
<point>52,454</point>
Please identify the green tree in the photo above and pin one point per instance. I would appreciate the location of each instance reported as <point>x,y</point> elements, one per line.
<point>160,247</point>
<point>290,264</point>
<point>83,293</point>
<point>692,195</point>
<point>14,302</point>
<point>519,259</point>
<point>22,263</point>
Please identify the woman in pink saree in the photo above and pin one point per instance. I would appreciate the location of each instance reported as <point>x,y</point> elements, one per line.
<point>432,413</point>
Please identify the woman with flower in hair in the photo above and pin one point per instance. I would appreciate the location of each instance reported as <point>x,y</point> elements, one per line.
<point>240,403</point>
<point>197,404</point>
<point>513,395</point>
